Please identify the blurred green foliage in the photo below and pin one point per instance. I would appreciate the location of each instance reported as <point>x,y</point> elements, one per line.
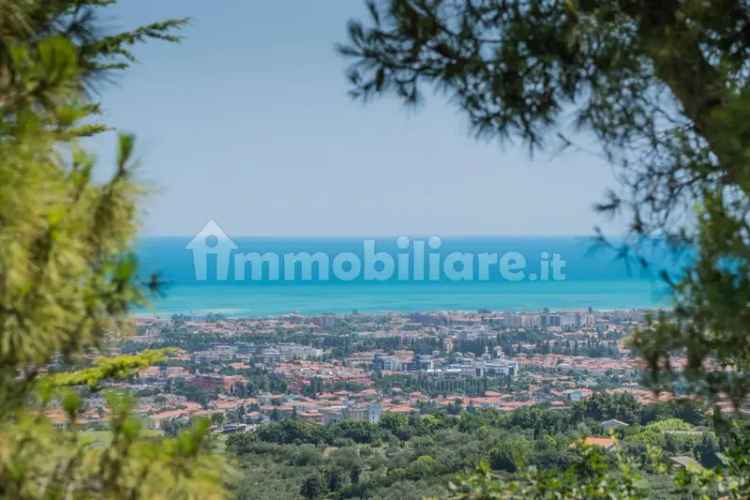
<point>664,88</point>
<point>67,275</point>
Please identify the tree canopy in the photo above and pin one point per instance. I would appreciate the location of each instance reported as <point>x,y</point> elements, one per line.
<point>67,277</point>
<point>662,86</point>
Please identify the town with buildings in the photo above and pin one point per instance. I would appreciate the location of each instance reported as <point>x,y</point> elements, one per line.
<point>244,372</point>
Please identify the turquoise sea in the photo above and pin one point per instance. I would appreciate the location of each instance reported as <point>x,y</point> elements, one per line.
<point>594,276</point>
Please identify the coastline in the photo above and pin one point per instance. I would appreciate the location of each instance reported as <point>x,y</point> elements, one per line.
<point>208,316</point>
<point>310,300</point>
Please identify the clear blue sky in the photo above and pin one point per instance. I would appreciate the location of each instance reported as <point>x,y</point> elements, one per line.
<point>248,123</point>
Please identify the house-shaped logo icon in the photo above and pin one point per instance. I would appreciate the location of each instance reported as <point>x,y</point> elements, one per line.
<point>212,240</point>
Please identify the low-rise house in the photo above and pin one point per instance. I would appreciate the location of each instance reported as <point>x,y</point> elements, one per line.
<point>601,442</point>
<point>686,462</point>
<point>613,425</point>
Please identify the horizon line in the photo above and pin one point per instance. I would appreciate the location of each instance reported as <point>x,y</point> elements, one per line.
<point>390,236</point>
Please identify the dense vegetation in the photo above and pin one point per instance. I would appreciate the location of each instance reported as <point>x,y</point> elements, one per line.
<point>409,457</point>
<point>67,279</point>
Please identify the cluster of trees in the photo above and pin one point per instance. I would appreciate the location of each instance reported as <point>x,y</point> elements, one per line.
<point>67,277</point>
<point>543,342</point>
<point>261,381</point>
<point>341,345</point>
<point>192,392</point>
<point>421,455</point>
<point>355,343</point>
<point>592,348</point>
<point>182,338</point>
